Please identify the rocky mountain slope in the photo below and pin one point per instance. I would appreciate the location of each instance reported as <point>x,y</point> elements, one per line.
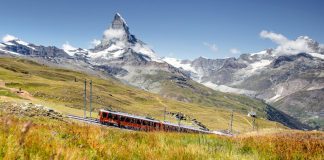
<point>293,82</point>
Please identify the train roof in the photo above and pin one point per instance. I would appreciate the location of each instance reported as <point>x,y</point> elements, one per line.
<point>130,115</point>
<point>156,121</point>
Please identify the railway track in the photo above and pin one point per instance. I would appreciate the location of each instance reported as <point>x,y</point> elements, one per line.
<point>96,122</point>
<point>82,119</point>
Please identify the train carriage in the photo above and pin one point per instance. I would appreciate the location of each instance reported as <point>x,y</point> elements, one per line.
<point>124,120</point>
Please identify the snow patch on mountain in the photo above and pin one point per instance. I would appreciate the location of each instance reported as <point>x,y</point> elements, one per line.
<point>224,88</point>
<point>9,52</point>
<point>279,93</point>
<point>8,38</point>
<point>70,50</point>
<point>143,49</point>
<point>316,87</point>
<point>258,65</point>
<point>317,55</point>
<point>109,53</point>
<point>179,64</point>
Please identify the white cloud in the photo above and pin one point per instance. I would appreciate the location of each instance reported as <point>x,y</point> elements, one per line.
<point>286,46</point>
<point>67,47</point>
<point>95,42</point>
<point>277,38</point>
<point>235,51</point>
<point>8,38</point>
<point>114,34</point>
<point>212,47</point>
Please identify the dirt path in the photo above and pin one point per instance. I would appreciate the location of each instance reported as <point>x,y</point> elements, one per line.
<point>23,94</point>
<point>2,84</point>
<point>159,100</point>
<point>246,120</point>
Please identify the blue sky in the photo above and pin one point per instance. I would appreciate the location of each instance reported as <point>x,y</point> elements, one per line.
<point>181,29</point>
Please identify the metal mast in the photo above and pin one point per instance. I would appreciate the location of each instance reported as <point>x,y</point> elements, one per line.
<point>231,123</point>
<point>90,97</point>
<point>164,113</point>
<point>85,98</point>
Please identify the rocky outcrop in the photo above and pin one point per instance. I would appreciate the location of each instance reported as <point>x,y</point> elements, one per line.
<point>30,110</point>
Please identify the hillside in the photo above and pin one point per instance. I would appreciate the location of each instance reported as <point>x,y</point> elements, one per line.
<point>43,138</point>
<point>56,88</point>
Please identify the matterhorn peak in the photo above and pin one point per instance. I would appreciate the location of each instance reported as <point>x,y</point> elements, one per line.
<point>119,22</point>
<point>117,32</point>
<point>117,40</point>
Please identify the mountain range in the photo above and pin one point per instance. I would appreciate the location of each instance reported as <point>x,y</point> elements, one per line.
<point>291,80</point>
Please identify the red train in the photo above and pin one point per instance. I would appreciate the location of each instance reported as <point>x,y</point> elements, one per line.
<point>124,120</point>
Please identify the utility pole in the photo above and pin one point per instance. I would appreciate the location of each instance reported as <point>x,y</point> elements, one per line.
<point>90,97</point>
<point>179,117</point>
<point>253,123</point>
<point>164,113</point>
<point>85,98</point>
<point>231,123</point>
<point>253,115</point>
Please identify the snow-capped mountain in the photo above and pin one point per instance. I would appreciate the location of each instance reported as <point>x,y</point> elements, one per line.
<point>285,77</point>
<point>117,41</point>
<point>118,53</point>
<point>16,46</point>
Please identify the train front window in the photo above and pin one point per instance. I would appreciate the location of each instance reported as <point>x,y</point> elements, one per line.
<point>104,114</point>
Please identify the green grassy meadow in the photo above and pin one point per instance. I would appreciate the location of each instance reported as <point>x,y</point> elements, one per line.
<point>41,138</point>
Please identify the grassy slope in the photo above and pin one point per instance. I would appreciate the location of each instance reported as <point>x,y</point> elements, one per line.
<point>56,88</point>
<point>190,91</point>
<point>39,138</point>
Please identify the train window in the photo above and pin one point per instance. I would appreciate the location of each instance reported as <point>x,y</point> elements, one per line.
<point>128,120</point>
<point>104,114</point>
<point>109,115</point>
<point>138,122</point>
<point>122,118</point>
